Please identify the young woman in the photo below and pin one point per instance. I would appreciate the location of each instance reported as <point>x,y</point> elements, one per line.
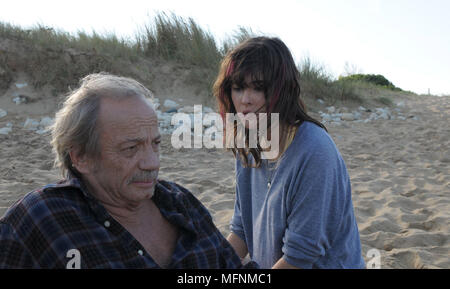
<point>294,210</point>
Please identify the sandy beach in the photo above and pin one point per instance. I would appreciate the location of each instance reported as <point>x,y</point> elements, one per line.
<point>399,169</point>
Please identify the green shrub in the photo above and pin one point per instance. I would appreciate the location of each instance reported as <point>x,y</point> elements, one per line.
<point>376,79</point>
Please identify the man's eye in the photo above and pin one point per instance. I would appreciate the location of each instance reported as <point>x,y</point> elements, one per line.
<point>130,148</point>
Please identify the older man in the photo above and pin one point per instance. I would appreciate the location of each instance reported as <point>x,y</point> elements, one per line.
<point>110,211</point>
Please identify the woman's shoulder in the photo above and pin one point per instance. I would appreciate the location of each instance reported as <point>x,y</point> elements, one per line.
<point>312,138</point>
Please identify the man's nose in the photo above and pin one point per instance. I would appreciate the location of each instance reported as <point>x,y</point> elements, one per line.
<point>149,160</point>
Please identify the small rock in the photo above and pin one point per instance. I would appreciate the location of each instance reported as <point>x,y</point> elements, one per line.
<point>401,104</point>
<point>331,109</point>
<point>388,247</point>
<point>348,116</point>
<point>2,113</point>
<point>31,124</point>
<point>384,115</point>
<point>326,117</point>
<point>164,120</point>
<point>42,131</point>
<point>362,108</point>
<point>170,104</point>
<point>373,116</point>
<point>46,122</point>
<point>21,99</point>
<point>357,115</point>
<point>5,130</point>
<point>17,100</point>
<point>320,101</point>
<point>21,85</point>
<point>171,110</point>
<point>165,131</point>
<point>186,109</point>
<point>207,109</point>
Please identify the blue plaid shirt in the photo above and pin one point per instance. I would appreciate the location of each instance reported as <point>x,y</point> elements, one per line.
<point>39,230</point>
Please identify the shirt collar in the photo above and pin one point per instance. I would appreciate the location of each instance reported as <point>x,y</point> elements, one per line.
<point>72,181</point>
<point>164,197</point>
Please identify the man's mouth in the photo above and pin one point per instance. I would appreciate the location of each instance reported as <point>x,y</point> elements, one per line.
<point>144,183</point>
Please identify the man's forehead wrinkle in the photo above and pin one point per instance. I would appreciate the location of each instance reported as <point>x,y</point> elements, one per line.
<point>131,128</point>
<point>133,121</point>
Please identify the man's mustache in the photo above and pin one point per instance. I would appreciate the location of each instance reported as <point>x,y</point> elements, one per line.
<point>144,176</point>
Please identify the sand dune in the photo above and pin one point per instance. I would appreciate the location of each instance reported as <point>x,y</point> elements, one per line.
<point>400,173</point>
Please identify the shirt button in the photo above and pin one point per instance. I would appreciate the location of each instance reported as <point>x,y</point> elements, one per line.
<point>268,185</point>
<point>140,252</point>
<point>107,224</point>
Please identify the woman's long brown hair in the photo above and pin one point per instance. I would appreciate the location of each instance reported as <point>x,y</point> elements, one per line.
<point>268,61</point>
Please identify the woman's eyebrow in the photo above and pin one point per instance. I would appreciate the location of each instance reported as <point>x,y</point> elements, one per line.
<point>258,82</point>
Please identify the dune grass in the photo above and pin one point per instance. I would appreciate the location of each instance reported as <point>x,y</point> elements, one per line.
<point>60,59</point>
<point>177,39</point>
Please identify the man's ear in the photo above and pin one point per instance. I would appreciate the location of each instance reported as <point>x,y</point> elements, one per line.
<point>80,162</point>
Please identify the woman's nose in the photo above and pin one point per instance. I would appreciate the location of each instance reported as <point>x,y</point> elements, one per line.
<point>246,96</point>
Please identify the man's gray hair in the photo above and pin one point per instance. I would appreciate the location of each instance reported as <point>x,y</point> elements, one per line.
<point>75,123</point>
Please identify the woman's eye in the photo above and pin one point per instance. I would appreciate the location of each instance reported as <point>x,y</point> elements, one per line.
<point>258,86</point>
<point>237,88</point>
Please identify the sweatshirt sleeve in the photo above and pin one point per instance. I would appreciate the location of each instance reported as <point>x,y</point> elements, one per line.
<point>236,225</point>
<point>316,200</point>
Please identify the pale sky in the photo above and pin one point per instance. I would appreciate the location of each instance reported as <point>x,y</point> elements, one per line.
<point>407,41</point>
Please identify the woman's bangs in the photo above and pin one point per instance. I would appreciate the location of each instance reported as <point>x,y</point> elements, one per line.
<point>255,73</point>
